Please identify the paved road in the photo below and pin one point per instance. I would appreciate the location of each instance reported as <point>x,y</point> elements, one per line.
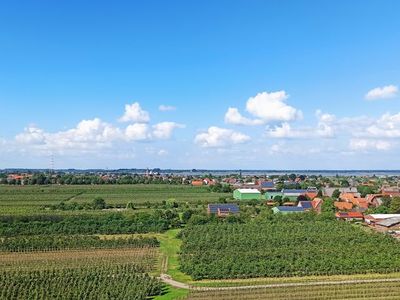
<point>167,279</point>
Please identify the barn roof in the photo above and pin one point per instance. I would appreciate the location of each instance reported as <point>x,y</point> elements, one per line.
<point>231,207</point>
<point>389,222</point>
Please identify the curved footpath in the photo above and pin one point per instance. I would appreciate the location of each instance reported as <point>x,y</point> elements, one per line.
<point>168,280</point>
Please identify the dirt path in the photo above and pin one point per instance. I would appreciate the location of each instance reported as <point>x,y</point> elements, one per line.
<point>167,279</point>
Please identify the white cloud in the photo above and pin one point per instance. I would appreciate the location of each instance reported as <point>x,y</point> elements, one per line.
<point>134,113</point>
<point>137,132</point>
<point>220,137</point>
<point>272,107</point>
<point>387,126</point>
<point>88,135</point>
<point>166,108</point>
<point>323,129</point>
<point>286,131</point>
<point>233,116</point>
<point>162,152</point>
<point>369,145</point>
<point>31,135</point>
<point>384,92</point>
<point>164,130</point>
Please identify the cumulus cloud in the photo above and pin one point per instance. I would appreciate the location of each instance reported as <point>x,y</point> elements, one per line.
<point>134,113</point>
<point>323,129</point>
<point>220,137</point>
<point>385,92</point>
<point>166,108</point>
<point>88,134</point>
<point>233,116</point>
<point>94,135</point>
<point>369,145</point>
<point>286,131</point>
<point>137,132</point>
<point>164,130</point>
<point>386,126</point>
<point>272,107</point>
<point>31,135</point>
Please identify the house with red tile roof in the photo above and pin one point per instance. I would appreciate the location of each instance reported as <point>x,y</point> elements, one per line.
<point>350,216</point>
<point>374,199</point>
<point>197,182</point>
<point>317,204</point>
<point>343,205</point>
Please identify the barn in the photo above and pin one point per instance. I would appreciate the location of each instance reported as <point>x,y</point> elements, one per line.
<point>246,194</point>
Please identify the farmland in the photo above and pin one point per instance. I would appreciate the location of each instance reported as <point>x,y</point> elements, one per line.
<point>99,282</point>
<point>66,267</point>
<point>167,231</point>
<point>284,246</point>
<point>368,290</point>
<point>33,199</point>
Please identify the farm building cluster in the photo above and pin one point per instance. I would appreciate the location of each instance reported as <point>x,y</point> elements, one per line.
<point>349,204</point>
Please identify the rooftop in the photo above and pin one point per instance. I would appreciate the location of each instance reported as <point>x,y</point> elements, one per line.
<point>290,208</point>
<point>231,207</point>
<point>389,222</point>
<point>249,191</point>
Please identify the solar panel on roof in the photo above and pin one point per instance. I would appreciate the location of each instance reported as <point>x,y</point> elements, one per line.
<point>305,204</point>
<point>213,208</point>
<point>290,208</point>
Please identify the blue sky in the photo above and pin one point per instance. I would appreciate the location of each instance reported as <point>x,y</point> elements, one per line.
<point>295,74</point>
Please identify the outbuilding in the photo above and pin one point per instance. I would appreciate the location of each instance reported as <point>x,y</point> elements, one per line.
<point>388,224</point>
<point>287,209</point>
<point>247,194</point>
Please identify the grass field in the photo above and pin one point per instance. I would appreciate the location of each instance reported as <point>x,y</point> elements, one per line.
<point>31,199</point>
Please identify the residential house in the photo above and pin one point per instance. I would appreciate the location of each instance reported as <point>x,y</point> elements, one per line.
<point>374,199</point>
<point>343,205</point>
<point>223,209</point>
<point>328,191</point>
<point>392,191</point>
<point>317,204</point>
<point>267,185</point>
<point>350,216</point>
<point>197,182</point>
<point>208,181</point>
<point>306,205</point>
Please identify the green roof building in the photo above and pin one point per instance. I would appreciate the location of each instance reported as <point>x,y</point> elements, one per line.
<point>247,194</point>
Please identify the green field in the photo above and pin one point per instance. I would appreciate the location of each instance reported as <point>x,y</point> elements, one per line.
<point>32,199</point>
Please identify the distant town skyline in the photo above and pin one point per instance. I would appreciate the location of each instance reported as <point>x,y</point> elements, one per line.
<point>291,85</point>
